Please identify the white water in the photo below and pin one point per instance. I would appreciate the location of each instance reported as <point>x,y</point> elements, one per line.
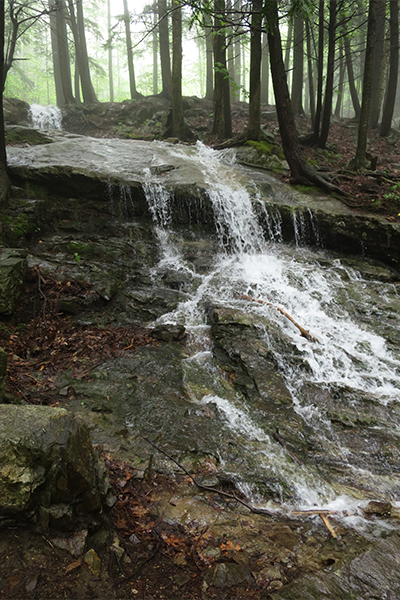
<point>334,303</point>
<point>45,117</point>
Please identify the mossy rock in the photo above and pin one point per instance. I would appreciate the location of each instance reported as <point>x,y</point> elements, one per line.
<point>12,272</point>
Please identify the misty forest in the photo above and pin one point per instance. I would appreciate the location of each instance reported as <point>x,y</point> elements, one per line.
<point>199,299</point>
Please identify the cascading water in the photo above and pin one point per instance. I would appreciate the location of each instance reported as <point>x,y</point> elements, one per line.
<point>354,364</point>
<point>45,117</point>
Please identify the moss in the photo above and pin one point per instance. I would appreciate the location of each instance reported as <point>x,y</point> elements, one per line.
<point>15,230</point>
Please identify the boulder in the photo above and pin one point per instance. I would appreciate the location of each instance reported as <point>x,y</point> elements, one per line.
<point>49,471</point>
<point>12,271</point>
<point>15,111</point>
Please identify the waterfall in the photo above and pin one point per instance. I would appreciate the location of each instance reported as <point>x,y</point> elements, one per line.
<point>45,117</point>
<point>344,311</point>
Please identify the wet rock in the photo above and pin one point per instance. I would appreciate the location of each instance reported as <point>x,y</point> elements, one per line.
<point>373,574</point>
<point>12,272</point>
<point>15,134</point>
<point>168,332</point>
<point>379,509</point>
<point>224,575</point>
<point>47,466</point>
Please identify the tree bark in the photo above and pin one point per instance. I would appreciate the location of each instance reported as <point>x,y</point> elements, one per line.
<point>265,70</point>
<point>131,69</point>
<point>359,160</point>
<point>222,126</point>
<point>378,67</point>
<point>238,53</point>
<point>390,100</point>
<point>310,73</point>
<point>60,98</point>
<point>350,75</point>
<point>155,51</point>
<point>63,52</point>
<point>298,66</point>
<point>254,124</point>
<point>326,117</point>
<point>165,59</point>
<point>320,72</point>
<point>209,58</point>
<point>78,31</point>
<point>339,98</point>
<point>177,106</point>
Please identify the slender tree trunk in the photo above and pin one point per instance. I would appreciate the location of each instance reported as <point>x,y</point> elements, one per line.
<point>310,73</point>
<point>330,71</point>
<point>287,125</point>
<point>222,126</point>
<point>155,51</point>
<point>238,52</point>
<point>177,106</point>
<point>339,98</point>
<point>88,92</point>
<point>131,69</point>
<point>393,69</point>
<point>298,66</point>
<point>63,53</point>
<point>320,73</point>
<point>378,67</point>
<point>60,98</point>
<point>110,52</point>
<point>359,160</point>
<point>254,124</point>
<point>164,49</point>
<point>209,58</point>
<point>4,181</point>
<point>350,75</point>
<point>265,70</point>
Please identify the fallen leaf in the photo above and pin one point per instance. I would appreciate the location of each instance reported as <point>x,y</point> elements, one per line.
<point>73,565</point>
<point>228,546</point>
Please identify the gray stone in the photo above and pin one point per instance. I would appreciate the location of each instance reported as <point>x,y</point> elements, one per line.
<point>47,462</point>
<point>371,575</point>
<point>168,332</point>
<point>12,271</point>
<point>15,111</point>
<point>224,575</point>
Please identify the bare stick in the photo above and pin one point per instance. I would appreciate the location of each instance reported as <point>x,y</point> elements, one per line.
<point>284,445</point>
<point>256,511</point>
<point>303,331</point>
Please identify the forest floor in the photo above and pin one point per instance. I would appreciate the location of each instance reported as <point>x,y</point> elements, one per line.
<point>159,560</point>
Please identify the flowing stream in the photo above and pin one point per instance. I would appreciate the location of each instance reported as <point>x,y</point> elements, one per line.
<point>352,371</point>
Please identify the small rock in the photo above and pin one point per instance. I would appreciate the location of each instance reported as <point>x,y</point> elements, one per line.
<point>223,575</point>
<point>134,539</point>
<point>74,545</point>
<point>93,562</point>
<point>168,332</point>
<point>380,509</point>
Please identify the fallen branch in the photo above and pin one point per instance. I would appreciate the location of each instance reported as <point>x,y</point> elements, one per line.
<point>328,525</point>
<point>207,488</point>
<point>284,445</point>
<point>303,331</point>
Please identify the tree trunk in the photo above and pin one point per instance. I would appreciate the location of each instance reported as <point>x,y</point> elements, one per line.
<point>287,126</point>
<point>320,72</point>
<point>60,98</point>
<point>82,59</point>
<point>110,58</point>
<point>393,69</point>
<point>4,181</point>
<point>177,106</point>
<point>298,66</point>
<point>155,51</point>
<point>339,98</point>
<point>378,67</point>
<point>350,75</point>
<point>254,124</point>
<point>222,126</point>
<point>63,52</point>
<point>330,71</point>
<point>209,59</point>
<point>265,71</point>
<point>131,69</point>
<point>310,73</point>
<point>164,49</point>
<point>359,160</point>
<point>238,53</point>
